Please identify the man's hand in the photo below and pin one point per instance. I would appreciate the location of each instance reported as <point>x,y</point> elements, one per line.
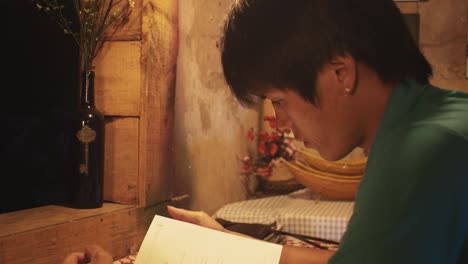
<point>93,254</point>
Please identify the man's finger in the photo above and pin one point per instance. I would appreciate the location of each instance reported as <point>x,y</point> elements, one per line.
<point>74,258</point>
<point>184,215</point>
<point>97,254</point>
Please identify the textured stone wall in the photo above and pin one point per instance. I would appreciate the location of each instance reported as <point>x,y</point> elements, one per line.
<point>210,125</point>
<point>443,40</point>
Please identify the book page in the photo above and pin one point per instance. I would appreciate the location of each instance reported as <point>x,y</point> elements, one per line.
<point>170,241</point>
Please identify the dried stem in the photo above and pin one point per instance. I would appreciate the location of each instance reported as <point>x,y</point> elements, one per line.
<point>96,17</point>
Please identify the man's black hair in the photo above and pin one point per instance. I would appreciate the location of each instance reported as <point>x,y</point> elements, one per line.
<point>286,43</point>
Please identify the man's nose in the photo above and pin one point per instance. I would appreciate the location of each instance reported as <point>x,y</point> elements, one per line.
<point>283,123</point>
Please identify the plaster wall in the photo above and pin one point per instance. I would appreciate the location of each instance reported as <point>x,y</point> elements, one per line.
<point>444,39</point>
<point>210,125</point>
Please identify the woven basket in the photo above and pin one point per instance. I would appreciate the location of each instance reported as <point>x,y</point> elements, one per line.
<point>279,187</point>
<point>325,184</point>
<point>348,167</point>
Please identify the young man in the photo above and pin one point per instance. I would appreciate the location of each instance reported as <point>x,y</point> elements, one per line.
<point>343,74</point>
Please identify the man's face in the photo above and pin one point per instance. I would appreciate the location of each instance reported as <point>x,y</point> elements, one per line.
<point>329,126</point>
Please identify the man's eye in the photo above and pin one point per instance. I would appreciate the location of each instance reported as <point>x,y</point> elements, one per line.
<point>275,102</point>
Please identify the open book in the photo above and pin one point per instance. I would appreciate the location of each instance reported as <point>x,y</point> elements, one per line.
<point>170,241</point>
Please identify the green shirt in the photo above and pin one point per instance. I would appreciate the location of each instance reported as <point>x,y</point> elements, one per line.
<point>412,204</point>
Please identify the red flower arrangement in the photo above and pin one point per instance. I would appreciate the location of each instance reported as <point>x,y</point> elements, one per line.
<point>270,147</point>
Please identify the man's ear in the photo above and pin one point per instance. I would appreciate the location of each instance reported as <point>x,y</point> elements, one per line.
<point>345,71</point>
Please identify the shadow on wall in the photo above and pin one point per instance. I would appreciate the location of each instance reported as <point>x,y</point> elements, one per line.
<point>43,66</point>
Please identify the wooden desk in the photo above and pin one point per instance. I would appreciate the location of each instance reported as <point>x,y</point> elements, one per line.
<point>46,234</point>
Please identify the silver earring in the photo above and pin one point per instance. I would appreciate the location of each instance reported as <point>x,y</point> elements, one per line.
<point>348,90</point>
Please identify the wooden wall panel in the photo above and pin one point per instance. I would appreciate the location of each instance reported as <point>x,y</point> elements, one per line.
<point>135,92</point>
<point>118,80</point>
<point>121,160</point>
<point>159,58</point>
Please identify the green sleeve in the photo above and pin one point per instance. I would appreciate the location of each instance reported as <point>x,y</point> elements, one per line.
<point>412,206</point>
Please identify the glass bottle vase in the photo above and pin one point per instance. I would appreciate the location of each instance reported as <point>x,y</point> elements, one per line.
<point>87,148</point>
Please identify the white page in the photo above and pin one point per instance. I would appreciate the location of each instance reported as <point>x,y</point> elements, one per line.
<point>169,241</point>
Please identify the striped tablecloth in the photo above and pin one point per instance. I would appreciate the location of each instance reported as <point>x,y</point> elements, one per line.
<point>298,212</point>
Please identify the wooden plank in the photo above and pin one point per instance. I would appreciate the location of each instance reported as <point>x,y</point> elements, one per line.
<point>48,216</point>
<point>120,232</point>
<point>121,160</point>
<point>117,84</point>
<point>131,30</point>
<point>408,7</point>
<point>160,29</point>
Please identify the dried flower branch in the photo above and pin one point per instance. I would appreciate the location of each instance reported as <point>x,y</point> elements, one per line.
<point>96,17</point>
